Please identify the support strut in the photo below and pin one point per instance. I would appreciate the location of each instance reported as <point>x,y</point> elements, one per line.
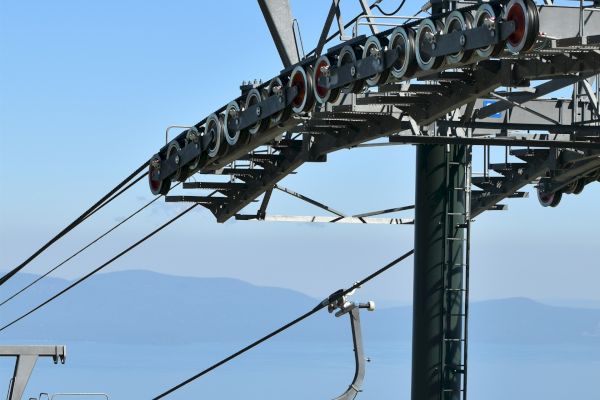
<point>439,313</point>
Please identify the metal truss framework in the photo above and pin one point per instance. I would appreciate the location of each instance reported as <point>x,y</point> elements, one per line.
<point>435,106</point>
<point>499,99</point>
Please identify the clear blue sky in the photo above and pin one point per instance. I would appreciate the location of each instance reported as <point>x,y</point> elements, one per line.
<point>86,91</point>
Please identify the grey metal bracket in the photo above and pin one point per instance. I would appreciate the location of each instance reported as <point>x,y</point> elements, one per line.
<point>345,306</point>
<point>26,358</point>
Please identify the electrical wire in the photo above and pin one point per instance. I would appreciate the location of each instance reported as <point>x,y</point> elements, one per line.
<point>329,300</point>
<point>393,12</point>
<point>39,278</point>
<point>100,203</point>
<point>107,263</point>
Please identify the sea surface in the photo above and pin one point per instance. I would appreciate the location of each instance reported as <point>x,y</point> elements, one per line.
<point>301,371</point>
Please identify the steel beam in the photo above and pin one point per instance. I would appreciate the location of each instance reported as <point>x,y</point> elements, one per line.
<point>327,219</point>
<point>494,141</point>
<point>278,16</point>
<point>563,22</point>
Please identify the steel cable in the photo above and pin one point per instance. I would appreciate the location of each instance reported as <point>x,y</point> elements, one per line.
<point>329,300</point>
<point>126,188</point>
<point>100,203</point>
<point>85,277</point>
<point>39,278</point>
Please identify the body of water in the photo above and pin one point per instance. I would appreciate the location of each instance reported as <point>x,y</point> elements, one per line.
<point>300,371</point>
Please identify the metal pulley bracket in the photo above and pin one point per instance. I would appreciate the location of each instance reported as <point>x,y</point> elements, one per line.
<point>470,39</point>
<point>183,157</point>
<point>364,68</point>
<point>193,149</point>
<point>265,108</point>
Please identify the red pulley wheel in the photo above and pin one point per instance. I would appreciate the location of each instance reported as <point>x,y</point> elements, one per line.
<point>157,186</point>
<point>301,80</point>
<point>526,23</point>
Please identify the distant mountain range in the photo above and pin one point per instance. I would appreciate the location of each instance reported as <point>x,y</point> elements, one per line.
<point>149,308</point>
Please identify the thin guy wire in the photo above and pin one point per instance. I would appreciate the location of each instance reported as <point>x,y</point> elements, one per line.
<point>39,278</point>
<point>80,280</point>
<point>329,300</point>
<point>73,224</point>
<point>118,194</point>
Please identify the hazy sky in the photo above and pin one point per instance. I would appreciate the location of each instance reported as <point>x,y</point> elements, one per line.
<point>86,92</point>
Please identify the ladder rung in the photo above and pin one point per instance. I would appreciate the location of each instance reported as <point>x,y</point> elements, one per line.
<point>456,239</point>
<point>453,390</point>
<point>453,340</point>
<point>456,290</point>
<point>458,371</point>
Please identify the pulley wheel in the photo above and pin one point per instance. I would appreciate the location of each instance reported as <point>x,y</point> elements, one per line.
<point>275,88</point>
<point>322,93</point>
<point>193,139</point>
<point>549,199</point>
<point>523,37</point>
<point>570,188</point>
<point>425,34</point>
<point>157,187</point>
<point>214,128</point>
<point>253,98</point>
<point>403,39</point>
<point>456,21</point>
<point>348,56</point>
<point>487,15</point>
<point>534,17</point>
<point>304,100</point>
<point>579,185</point>
<point>374,48</point>
<point>232,115</point>
<point>172,150</point>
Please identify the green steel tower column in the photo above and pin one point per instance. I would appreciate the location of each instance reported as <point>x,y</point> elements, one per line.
<point>438,335</point>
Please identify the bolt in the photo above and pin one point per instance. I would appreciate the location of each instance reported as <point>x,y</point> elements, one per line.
<point>353,70</point>
<point>430,37</point>
<point>258,111</point>
<point>177,159</point>
<point>463,40</point>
